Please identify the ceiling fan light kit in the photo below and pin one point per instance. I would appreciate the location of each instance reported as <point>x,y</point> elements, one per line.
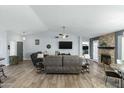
<point>62,35</point>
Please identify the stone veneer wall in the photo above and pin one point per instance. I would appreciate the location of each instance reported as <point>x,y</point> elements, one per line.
<point>109,39</point>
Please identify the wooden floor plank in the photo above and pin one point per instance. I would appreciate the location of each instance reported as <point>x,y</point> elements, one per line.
<point>24,75</point>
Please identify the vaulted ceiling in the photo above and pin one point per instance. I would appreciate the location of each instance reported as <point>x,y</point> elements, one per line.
<point>84,20</point>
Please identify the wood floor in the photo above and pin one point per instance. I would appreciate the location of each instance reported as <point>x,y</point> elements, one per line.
<point>24,75</point>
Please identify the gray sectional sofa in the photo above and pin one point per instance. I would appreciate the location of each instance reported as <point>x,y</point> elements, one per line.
<point>62,64</point>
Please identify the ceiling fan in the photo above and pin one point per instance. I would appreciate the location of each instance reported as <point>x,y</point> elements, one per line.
<point>62,35</point>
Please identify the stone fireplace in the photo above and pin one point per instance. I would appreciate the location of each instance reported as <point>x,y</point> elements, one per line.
<point>106,59</point>
<point>107,53</point>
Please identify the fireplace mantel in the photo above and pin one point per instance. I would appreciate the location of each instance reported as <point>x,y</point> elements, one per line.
<point>106,47</point>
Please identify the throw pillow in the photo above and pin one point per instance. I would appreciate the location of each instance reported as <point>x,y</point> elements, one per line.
<point>40,55</point>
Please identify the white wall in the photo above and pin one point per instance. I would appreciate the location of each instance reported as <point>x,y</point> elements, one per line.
<point>3,47</point>
<point>5,39</point>
<point>122,57</point>
<point>95,50</point>
<point>12,39</point>
<point>45,38</point>
<point>119,47</point>
<point>48,38</point>
<point>80,46</point>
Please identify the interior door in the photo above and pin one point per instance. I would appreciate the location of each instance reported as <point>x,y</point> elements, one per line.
<point>20,51</point>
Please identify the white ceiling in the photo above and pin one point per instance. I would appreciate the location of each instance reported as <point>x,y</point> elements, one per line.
<point>20,19</point>
<point>86,21</point>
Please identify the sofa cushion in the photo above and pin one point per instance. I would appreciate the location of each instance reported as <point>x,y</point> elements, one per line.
<point>71,61</point>
<point>62,64</point>
<point>53,61</point>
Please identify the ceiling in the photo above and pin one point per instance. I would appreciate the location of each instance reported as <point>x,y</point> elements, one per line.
<point>86,20</point>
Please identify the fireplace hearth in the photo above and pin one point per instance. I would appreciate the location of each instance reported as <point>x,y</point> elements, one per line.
<point>106,59</point>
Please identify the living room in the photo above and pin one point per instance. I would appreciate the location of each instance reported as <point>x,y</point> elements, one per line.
<point>64,40</point>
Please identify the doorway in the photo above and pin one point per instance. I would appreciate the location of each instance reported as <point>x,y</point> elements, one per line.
<point>20,51</point>
<point>85,49</point>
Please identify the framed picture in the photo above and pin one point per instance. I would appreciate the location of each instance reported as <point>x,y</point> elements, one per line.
<point>37,42</point>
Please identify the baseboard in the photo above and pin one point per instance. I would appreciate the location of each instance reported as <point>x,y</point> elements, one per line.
<point>96,62</point>
<point>26,59</point>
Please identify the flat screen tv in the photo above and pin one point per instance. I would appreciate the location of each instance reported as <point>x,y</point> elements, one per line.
<point>85,47</point>
<point>65,45</point>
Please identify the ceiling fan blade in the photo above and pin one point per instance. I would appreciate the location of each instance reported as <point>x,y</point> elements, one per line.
<point>67,35</point>
<point>56,37</point>
<point>61,34</point>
